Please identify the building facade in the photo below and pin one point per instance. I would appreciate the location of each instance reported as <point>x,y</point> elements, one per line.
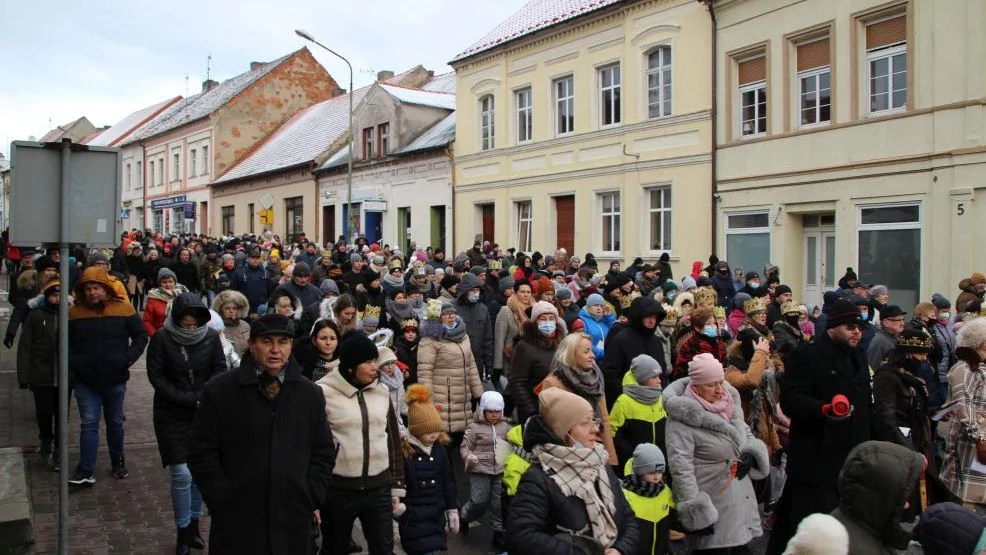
<point>850,137</point>
<point>585,128</point>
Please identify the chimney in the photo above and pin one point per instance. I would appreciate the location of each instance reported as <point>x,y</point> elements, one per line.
<point>338,91</point>
<point>254,66</point>
<point>209,84</point>
<point>384,75</point>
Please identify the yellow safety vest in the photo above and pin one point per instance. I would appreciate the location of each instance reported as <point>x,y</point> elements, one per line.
<point>515,466</point>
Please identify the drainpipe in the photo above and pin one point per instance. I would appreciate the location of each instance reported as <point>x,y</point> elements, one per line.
<point>715,124</point>
<point>451,162</point>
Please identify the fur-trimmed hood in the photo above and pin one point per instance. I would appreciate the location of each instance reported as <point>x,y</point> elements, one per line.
<point>28,279</point>
<point>436,330</point>
<point>819,534</point>
<point>235,298</point>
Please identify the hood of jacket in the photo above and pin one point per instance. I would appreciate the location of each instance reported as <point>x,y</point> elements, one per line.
<point>682,408</point>
<point>28,279</point>
<point>436,330</point>
<point>187,302</point>
<point>469,281</point>
<point>875,482</point>
<point>235,298</point>
<point>97,275</point>
<point>536,432</point>
<point>640,308</point>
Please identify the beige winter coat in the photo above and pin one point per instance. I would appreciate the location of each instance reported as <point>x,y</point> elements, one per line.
<point>447,367</point>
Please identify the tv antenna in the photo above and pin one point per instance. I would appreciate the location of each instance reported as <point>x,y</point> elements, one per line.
<point>208,66</point>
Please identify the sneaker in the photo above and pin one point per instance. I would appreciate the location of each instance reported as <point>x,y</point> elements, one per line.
<point>53,461</point>
<point>120,471</point>
<point>81,478</point>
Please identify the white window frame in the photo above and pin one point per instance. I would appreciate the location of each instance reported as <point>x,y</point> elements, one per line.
<point>746,230</point>
<point>176,164</point>
<point>524,244</point>
<point>140,174</point>
<point>616,94</point>
<point>129,173</point>
<point>383,135</point>
<point>814,74</point>
<point>369,138</point>
<point>888,53</point>
<point>523,106</point>
<point>752,87</point>
<point>192,162</point>
<point>564,103</point>
<point>487,122</point>
<point>615,222</point>
<point>667,65</point>
<point>860,226</point>
<point>152,174</point>
<point>205,160</point>
<point>160,171</point>
<point>664,211</point>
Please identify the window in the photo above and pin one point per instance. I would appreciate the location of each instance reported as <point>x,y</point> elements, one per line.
<point>251,215</point>
<point>890,249</point>
<point>522,99</point>
<point>610,212</point>
<point>127,176</point>
<point>160,171</point>
<point>886,63</point>
<point>175,166</point>
<point>227,216</point>
<point>205,160</point>
<point>486,123</point>
<point>294,217</point>
<point>753,96</point>
<point>564,105</point>
<point>524,220</point>
<point>748,239</point>
<point>609,95</point>
<point>367,143</point>
<point>660,218</point>
<point>814,82</point>
<point>383,134</point>
<point>158,218</point>
<point>140,174</point>
<point>659,82</point>
<point>192,158</point>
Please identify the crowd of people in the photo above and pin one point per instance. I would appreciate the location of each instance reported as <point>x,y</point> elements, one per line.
<point>585,407</point>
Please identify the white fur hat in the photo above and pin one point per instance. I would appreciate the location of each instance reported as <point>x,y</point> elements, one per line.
<point>819,534</point>
<point>972,334</point>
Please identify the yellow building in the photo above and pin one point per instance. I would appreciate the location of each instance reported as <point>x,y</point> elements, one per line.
<point>851,136</point>
<point>582,126</point>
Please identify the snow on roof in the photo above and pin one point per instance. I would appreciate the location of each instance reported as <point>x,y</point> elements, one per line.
<point>534,16</point>
<point>421,97</point>
<point>440,134</point>
<point>302,138</point>
<point>201,105</point>
<point>444,83</point>
<point>131,123</point>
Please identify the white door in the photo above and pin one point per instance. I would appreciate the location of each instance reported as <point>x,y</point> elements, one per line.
<point>819,266</point>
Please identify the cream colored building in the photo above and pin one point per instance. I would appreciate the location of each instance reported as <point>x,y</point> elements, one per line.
<point>588,128</point>
<point>851,136</point>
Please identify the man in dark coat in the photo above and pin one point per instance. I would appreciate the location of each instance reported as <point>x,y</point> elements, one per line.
<point>298,287</point>
<point>260,449</point>
<point>187,273</point>
<point>479,325</point>
<point>822,435</point>
<point>723,285</point>
<point>637,338</point>
<point>253,281</point>
<point>782,294</point>
<point>891,325</point>
<point>354,276</point>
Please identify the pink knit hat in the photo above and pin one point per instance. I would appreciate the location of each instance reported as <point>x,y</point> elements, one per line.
<point>705,369</point>
<point>541,308</point>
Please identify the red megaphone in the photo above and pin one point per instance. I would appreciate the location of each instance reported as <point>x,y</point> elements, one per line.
<point>840,405</point>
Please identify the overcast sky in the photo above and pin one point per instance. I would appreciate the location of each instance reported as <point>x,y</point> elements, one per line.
<point>104,59</point>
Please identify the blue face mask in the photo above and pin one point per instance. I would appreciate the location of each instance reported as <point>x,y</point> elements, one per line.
<point>710,331</point>
<point>547,327</point>
<point>473,296</point>
<point>451,326</point>
<point>670,295</point>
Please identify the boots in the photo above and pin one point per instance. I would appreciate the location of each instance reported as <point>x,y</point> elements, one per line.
<point>182,547</point>
<point>195,540</point>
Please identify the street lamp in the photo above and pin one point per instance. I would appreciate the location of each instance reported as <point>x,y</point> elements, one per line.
<point>352,132</point>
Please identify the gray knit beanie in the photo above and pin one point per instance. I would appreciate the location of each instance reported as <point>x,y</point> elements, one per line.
<point>644,367</point>
<point>648,458</point>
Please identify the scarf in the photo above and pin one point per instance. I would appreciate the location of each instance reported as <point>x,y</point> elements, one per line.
<point>633,484</point>
<point>397,312</point>
<point>183,336</point>
<point>391,281</point>
<point>584,383</point>
<point>647,395</point>
<point>323,368</point>
<point>517,309</point>
<point>165,295</point>
<point>722,407</point>
<point>393,383</point>
<point>456,334</point>
<point>581,472</point>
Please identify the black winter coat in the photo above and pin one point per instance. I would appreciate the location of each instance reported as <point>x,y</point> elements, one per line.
<point>529,366</point>
<point>37,349</point>
<point>725,290</point>
<point>263,467</point>
<point>255,284</point>
<point>178,374</point>
<point>430,492</point>
<point>408,354</point>
<point>188,275</point>
<point>818,447</point>
<point>479,326</point>
<point>633,341</point>
<point>540,510</point>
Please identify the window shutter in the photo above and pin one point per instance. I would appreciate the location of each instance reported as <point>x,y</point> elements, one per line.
<point>813,54</point>
<point>886,33</point>
<point>753,70</point>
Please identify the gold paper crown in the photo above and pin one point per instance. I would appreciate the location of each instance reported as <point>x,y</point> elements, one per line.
<point>494,265</point>
<point>754,306</point>
<point>921,343</point>
<point>395,263</point>
<point>371,311</point>
<point>706,296</point>
<point>670,314</point>
<point>719,312</point>
<point>789,307</point>
<point>409,323</point>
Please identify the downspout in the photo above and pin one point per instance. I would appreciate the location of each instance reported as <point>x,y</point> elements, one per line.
<point>715,125</point>
<point>451,162</point>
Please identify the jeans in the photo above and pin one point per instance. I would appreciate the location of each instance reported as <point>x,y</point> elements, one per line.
<point>185,497</point>
<point>373,509</point>
<point>484,493</point>
<point>92,400</point>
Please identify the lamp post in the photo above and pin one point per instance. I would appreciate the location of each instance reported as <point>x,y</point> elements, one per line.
<point>352,132</point>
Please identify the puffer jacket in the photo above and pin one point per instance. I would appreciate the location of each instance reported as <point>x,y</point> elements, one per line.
<point>529,366</point>
<point>950,529</point>
<point>37,349</point>
<point>157,307</point>
<point>541,515</point>
<point>447,367</point>
<point>480,440</point>
<point>967,296</point>
<point>178,374</point>
<point>703,446</point>
<point>874,485</point>
<point>430,492</point>
<point>597,329</point>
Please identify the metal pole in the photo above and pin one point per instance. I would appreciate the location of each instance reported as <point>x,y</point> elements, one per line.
<point>62,382</point>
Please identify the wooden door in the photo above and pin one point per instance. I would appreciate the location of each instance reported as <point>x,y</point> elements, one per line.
<point>565,222</point>
<point>489,220</point>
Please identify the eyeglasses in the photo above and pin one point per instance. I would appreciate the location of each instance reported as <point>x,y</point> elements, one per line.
<point>596,423</point>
